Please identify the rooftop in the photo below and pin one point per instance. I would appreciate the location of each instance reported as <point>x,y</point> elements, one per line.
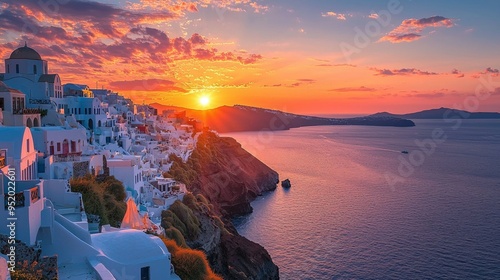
<point>25,53</point>
<point>128,246</point>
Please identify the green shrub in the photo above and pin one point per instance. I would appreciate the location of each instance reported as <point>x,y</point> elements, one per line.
<point>187,217</point>
<point>176,235</point>
<point>190,201</point>
<point>104,197</point>
<point>169,219</point>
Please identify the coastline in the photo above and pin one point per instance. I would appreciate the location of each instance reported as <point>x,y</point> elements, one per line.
<point>230,178</point>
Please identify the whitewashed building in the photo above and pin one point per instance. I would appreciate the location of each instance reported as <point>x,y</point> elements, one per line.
<point>14,111</point>
<point>26,71</point>
<point>19,150</point>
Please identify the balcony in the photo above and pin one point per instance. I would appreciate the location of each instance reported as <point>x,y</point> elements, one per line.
<point>68,157</point>
<point>30,111</point>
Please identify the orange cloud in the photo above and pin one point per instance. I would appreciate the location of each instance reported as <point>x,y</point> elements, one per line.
<point>353,89</point>
<point>146,85</point>
<point>86,36</point>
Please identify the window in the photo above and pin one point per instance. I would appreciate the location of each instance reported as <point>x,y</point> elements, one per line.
<point>145,273</point>
<point>34,69</point>
<point>28,145</point>
<point>58,147</point>
<point>2,104</point>
<point>17,68</point>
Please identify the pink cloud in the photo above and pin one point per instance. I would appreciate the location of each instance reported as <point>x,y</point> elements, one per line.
<point>411,29</point>
<point>402,72</point>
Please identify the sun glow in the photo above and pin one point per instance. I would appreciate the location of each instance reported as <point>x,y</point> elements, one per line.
<point>204,100</point>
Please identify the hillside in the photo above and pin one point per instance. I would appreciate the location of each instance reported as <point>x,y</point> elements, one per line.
<point>229,178</point>
<point>245,118</point>
<point>442,113</point>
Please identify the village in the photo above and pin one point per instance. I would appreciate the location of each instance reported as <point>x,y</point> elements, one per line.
<point>52,132</point>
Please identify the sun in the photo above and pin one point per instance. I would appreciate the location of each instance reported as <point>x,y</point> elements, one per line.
<point>204,100</point>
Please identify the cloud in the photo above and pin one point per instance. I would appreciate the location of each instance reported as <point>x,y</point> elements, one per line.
<point>297,83</point>
<point>402,72</point>
<point>491,70</point>
<point>488,71</point>
<point>411,29</point>
<point>350,89</point>
<point>373,16</point>
<point>427,95</point>
<point>458,73</point>
<point>146,85</point>
<point>335,65</point>
<point>84,36</point>
<point>336,15</point>
<point>398,38</point>
<point>192,6</point>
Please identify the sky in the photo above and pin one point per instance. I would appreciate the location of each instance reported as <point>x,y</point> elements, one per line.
<point>310,57</point>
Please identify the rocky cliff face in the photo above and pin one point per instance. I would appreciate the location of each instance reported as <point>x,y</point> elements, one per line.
<point>226,174</point>
<point>230,178</point>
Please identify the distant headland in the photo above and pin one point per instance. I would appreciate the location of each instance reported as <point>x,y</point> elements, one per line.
<point>245,118</point>
<point>441,113</point>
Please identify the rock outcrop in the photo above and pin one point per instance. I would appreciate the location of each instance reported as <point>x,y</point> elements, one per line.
<point>286,183</point>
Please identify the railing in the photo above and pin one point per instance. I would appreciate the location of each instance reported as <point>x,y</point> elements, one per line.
<point>19,199</point>
<point>68,157</point>
<point>28,111</point>
<point>34,195</point>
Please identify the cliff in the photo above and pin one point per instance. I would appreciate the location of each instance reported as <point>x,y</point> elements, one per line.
<point>230,178</point>
<point>225,173</point>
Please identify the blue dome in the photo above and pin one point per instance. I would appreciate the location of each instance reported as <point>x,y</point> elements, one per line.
<point>25,53</point>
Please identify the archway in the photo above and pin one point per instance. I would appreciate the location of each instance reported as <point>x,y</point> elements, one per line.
<point>29,123</point>
<point>65,147</point>
<point>35,122</point>
<point>91,124</point>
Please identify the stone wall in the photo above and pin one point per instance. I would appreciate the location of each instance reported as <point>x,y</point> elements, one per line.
<point>29,257</point>
<point>80,169</point>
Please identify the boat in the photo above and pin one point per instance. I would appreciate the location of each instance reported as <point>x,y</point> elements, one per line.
<point>404,152</point>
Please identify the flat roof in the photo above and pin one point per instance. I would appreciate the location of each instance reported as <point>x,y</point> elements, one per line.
<point>129,246</point>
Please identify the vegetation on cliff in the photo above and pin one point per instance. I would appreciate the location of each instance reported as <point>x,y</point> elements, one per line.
<point>103,196</point>
<point>189,264</point>
<point>227,175</point>
<point>224,179</point>
<point>181,223</point>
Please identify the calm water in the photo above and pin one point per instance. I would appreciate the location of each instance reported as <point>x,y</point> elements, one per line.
<point>342,220</point>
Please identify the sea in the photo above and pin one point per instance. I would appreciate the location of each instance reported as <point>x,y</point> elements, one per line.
<point>360,208</point>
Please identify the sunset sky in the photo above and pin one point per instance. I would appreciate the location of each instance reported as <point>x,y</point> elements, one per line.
<point>311,57</point>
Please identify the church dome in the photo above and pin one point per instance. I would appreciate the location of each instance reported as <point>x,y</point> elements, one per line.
<point>25,53</point>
